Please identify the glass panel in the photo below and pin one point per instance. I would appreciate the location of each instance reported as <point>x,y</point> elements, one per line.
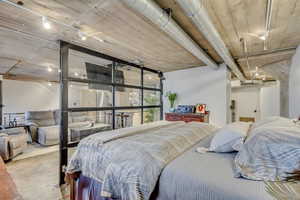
<point>151,115</point>
<point>89,95</point>
<point>127,118</point>
<point>128,96</point>
<point>151,98</point>
<point>85,66</point>
<point>83,124</point>
<point>151,80</point>
<point>128,75</point>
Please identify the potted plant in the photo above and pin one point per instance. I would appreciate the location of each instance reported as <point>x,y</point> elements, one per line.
<point>172,96</point>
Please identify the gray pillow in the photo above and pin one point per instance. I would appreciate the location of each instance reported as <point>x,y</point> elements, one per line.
<point>271,151</point>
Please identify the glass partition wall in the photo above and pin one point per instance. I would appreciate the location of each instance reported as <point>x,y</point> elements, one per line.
<point>100,92</point>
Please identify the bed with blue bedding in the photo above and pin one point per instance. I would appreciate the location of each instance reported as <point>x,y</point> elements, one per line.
<point>158,162</point>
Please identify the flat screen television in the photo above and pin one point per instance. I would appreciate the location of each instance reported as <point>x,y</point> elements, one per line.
<point>103,74</point>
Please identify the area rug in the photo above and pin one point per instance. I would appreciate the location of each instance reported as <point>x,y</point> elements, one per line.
<point>37,177</point>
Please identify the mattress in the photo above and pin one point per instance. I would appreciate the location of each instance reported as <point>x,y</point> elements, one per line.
<point>193,176</point>
<point>206,176</point>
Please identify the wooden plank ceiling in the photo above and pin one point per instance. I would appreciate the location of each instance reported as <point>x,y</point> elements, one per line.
<point>27,49</point>
<point>127,35</point>
<point>236,19</point>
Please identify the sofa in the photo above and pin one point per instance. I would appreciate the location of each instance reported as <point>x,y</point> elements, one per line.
<point>13,142</point>
<point>44,126</point>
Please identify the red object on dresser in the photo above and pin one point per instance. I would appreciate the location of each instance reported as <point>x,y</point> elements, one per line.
<point>188,117</point>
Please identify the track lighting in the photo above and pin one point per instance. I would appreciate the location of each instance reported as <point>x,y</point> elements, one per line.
<point>46,23</point>
<point>82,35</point>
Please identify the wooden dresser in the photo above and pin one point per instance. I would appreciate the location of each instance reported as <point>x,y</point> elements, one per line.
<point>187,117</point>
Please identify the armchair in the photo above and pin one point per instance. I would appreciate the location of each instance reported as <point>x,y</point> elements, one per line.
<point>12,142</point>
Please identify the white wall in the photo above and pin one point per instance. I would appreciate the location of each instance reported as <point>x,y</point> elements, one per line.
<point>265,100</point>
<point>21,96</point>
<point>294,90</point>
<point>201,85</point>
<point>246,101</point>
<point>270,101</point>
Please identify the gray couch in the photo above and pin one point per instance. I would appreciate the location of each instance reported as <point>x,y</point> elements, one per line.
<point>44,125</point>
<point>12,142</point>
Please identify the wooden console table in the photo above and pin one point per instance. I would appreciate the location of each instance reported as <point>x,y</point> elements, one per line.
<point>187,117</point>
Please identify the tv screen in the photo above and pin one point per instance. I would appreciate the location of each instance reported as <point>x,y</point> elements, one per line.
<point>103,74</point>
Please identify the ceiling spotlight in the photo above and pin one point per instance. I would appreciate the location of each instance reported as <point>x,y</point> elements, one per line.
<point>82,35</point>
<point>99,39</point>
<point>46,23</point>
<point>59,70</point>
<point>49,69</point>
<point>263,37</point>
<point>49,84</point>
<point>76,74</point>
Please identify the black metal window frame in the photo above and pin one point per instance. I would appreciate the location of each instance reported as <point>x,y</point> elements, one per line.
<point>64,107</point>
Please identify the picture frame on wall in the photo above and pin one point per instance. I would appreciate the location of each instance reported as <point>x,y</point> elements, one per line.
<point>201,108</point>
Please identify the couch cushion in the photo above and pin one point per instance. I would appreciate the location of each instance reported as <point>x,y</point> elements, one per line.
<point>13,131</point>
<point>79,116</point>
<point>56,114</point>
<point>17,141</point>
<point>80,124</point>
<point>48,135</point>
<point>41,118</point>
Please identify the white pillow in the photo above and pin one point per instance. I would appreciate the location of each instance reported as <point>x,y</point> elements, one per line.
<point>230,138</point>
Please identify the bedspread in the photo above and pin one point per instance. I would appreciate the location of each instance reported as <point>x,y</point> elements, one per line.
<point>129,166</point>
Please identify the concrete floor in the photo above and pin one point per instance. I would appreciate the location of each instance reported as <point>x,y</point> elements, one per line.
<point>37,177</point>
<point>34,150</point>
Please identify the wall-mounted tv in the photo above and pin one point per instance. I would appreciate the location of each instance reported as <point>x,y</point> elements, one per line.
<point>103,74</point>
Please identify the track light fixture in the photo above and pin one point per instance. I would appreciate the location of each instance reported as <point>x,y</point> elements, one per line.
<point>46,23</point>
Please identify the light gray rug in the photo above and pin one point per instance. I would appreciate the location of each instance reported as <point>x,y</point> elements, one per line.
<point>37,177</point>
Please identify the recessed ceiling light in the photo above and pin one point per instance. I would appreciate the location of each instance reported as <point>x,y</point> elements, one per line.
<point>59,70</point>
<point>76,74</point>
<point>49,84</point>
<point>263,37</point>
<point>50,69</point>
<point>99,39</point>
<point>46,23</point>
<point>82,35</point>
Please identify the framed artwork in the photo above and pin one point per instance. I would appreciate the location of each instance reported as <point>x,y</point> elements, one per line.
<point>201,108</point>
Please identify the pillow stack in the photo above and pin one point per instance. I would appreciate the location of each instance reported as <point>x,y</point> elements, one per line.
<point>271,152</point>
<point>230,138</point>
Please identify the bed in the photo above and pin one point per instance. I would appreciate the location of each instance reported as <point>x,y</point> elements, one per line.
<point>190,175</point>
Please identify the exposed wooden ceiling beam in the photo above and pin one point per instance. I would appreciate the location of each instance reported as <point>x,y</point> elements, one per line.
<point>26,78</point>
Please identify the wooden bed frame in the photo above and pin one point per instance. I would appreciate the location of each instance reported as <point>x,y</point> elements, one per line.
<point>71,179</point>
